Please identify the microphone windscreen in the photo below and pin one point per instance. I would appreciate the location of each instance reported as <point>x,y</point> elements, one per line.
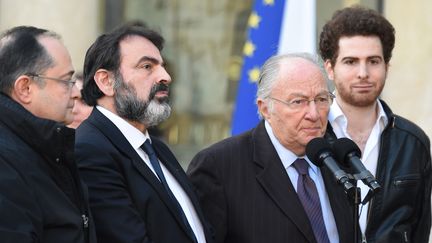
<point>344,146</point>
<point>315,148</point>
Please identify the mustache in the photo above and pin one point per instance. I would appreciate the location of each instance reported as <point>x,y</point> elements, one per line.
<point>156,88</point>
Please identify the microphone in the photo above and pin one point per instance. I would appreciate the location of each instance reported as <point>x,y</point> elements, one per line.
<point>319,151</point>
<point>348,152</point>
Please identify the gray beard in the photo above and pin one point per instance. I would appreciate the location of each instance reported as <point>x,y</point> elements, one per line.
<point>130,107</point>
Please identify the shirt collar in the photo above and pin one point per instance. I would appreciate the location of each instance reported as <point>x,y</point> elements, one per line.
<point>134,136</point>
<point>286,156</point>
<point>337,117</point>
<point>336,114</point>
<point>382,116</point>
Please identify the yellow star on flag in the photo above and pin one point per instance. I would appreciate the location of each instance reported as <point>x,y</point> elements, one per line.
<point>269,2</point>
<point>249,49</point>
<point>254,74</point>
<point>254,20</point>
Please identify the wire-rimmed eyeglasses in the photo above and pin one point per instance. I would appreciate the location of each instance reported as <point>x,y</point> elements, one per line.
<point>69,82</point>
<point>322,101</point>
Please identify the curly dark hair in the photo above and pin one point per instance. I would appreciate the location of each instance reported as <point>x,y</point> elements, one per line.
<point>354,21</point>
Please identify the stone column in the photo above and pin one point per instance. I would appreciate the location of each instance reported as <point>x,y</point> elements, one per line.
<point>409,82</point>
<point>76,21</point>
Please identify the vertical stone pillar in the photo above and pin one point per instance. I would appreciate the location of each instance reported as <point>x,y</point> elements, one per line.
<point>409,82</point>
<point>76,21</point>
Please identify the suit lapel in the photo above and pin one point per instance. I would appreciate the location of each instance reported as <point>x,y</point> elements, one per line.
<point>340,206</point>
<point>121,143</point>
<point>110,131</point>
<point>171,163</point>
<point>274,179</point>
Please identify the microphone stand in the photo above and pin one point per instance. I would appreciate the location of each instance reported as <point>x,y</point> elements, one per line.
<point>354,196</point>
<point>355,201</point>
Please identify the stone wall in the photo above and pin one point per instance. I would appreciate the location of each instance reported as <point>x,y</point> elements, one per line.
<point>76,21</point>
<point>409,82</point>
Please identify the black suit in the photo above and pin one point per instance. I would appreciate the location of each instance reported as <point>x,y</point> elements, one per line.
<point>248,197</point>
<point>128,202</point>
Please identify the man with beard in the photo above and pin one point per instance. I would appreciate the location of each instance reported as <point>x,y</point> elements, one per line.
<point>357,45</point>
<point>138,190</point>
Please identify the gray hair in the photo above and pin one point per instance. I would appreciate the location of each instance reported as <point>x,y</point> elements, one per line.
<point>269,74</point>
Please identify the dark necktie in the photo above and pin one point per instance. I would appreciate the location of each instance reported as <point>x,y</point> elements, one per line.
<point>308,195</point>
<point>148,148</point>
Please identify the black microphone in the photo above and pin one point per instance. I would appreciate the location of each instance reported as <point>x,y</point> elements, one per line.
<point>348,152</point>
<point>319,151</point>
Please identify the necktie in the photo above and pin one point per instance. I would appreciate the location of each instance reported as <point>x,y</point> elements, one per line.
<point>148,148</point>
<point>308,195</point>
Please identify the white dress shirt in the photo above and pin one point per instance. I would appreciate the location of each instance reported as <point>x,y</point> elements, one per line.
<point>339,123</point>
<point>136,138</point>
<point>287,157</point>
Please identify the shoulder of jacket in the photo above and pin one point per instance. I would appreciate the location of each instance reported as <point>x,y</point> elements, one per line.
<point>404,125</point>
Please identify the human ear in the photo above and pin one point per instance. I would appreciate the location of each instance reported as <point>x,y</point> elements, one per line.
<point>23,89</point>
<point>329,69</point>
<point>263,109</point>
<point>104,81</point>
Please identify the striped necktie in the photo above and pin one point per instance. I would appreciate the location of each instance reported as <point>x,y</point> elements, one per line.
<point>308,195</point>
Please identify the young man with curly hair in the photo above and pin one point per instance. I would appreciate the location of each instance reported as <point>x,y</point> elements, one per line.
<point>356,45</point>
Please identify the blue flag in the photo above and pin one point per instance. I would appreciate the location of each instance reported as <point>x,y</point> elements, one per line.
<point>275,26</point>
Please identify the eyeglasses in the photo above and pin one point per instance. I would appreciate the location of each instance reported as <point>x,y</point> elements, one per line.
<point>70,83</point>
<point>321,101</point>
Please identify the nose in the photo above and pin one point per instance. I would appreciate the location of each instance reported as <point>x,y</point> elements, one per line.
<point>312,111</point>
<point>164,76</point>
<point>75,92</point>
<point>75,107</point>
<point>363,72</point>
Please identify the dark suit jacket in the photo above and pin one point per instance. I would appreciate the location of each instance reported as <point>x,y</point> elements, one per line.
<point>128,202</point>
<point>248,197</point>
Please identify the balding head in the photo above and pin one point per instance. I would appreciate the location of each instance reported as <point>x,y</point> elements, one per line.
<point>292,65</point>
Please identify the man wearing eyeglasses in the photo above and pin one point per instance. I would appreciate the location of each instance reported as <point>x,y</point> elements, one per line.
<point>357,45</point>
<point>252,185</point>
<point>42,198</point>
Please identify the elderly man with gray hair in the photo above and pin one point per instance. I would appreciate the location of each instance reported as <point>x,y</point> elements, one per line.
<point>252,186</point>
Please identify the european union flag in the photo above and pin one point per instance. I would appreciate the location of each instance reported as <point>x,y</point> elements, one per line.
<point>270,29</point>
